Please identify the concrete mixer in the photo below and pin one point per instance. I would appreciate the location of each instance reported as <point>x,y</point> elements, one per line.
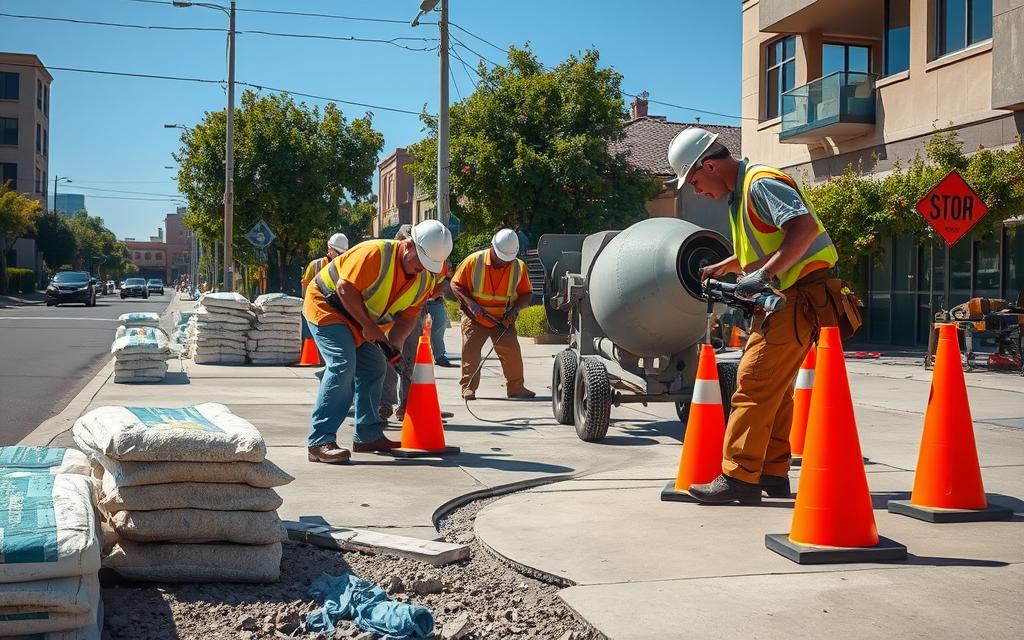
<point>631,302</point>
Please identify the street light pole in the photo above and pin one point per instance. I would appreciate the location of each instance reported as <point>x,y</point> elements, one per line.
<point>57,179</point>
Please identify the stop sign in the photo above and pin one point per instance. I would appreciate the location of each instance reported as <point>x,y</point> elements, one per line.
<point>952,208</point>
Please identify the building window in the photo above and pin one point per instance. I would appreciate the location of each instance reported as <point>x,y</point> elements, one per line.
<point>44,183</point>
<point>46,99</point>
<point>46,142</point>
<point>9,131</point>
<point>961,23</point>
<point>39,94</point>
<point>37,181</point>
<point>780,74</point>
<point>149,255</point>
<point>844,57</point>
<point>896,49</point>
<point>9,85</point>
<point>39,138</point>
<point>159,255</point>
<point>9,173</point>
<point>138,255</point>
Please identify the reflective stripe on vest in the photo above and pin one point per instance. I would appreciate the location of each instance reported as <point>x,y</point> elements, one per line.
<point>376,296</point>
<point>753,239</point>
<point>494,301</point>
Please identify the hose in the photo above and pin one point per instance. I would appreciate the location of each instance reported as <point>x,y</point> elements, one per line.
<point>479,368</point>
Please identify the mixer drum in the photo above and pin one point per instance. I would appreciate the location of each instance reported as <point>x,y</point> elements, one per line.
<point>644,287</point>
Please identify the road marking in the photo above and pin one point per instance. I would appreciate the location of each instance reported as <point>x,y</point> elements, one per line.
<point>58,318</point>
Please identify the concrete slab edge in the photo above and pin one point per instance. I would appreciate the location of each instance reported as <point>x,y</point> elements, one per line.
<point>492,492</point>
<point>341,538</point>
<point>581,618</point>
<point>52,427</point>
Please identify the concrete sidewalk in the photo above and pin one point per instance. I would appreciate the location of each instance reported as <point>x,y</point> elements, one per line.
<point>635,567</point>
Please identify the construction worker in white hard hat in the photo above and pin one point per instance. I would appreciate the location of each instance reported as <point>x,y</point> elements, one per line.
<point>337,245</point>
<point>778,241</point>
<point>366,298</point>
<point>492,287</point>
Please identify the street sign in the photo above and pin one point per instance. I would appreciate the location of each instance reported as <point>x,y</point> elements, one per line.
<point>952,208</point>
<point>454,225</point>
<point>260,236</point>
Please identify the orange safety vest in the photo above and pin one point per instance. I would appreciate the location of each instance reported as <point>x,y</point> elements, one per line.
<point>496,303</point>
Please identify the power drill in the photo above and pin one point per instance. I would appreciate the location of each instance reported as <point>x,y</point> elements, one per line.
<point>724,292</point>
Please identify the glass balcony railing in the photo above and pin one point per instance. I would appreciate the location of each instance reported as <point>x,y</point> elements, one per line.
<point>841,103</point>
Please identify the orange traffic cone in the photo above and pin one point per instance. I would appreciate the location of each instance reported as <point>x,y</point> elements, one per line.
<point>833,519</point>
<point>801,407</point>
<point>947,484</point>
<point>310,355</point>
<point>737,337</point>
<point>422,431</point>
<point>701,460</point>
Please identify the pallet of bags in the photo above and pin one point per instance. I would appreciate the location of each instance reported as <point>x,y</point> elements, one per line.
<point>188,493</point>
<point>50,545</point>
<point>221,323</point>
<point>140,355</point>
<point>139,319</point>
<point>276,336</point>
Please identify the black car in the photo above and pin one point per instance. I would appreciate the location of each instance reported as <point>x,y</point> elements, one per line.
<point>135,288</point>
<point>156,285</point>
<point>71,286</point>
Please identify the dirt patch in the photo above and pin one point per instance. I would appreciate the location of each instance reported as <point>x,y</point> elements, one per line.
<point>481,597</point>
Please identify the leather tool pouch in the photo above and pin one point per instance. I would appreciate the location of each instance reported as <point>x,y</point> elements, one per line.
<point>847,306</point>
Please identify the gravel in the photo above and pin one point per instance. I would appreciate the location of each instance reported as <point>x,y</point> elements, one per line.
<point>477,599</point>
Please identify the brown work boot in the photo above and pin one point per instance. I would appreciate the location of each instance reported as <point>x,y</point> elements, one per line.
<point>522,393</point>
<point>329,453</point>
<point>380,444</point>
<point>468,394</point>
<point>724,489</point>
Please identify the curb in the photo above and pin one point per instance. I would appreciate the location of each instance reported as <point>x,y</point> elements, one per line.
<point>46,432</point>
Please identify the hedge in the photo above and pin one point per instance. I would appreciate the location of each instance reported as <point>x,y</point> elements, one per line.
<point>21,280</point>
<point>529,324</point>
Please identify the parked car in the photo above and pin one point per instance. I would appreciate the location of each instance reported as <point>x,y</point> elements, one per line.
<point>71,286</point>
<point>156,285</point>
<point>110,287</point>
<point>134,288</point>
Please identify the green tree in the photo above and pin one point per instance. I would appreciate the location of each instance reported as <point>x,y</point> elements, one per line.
<point>860,210</point>
<point>352,219</point>
<point>529,147</point>
<point>18,215</point>
<point>293,167</point>
<point>55,239</point>
<point>97,249</point>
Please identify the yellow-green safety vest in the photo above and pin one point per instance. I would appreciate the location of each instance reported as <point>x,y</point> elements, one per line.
<point>753,238</point>
<point>494,302</point>
<point>376,296</point>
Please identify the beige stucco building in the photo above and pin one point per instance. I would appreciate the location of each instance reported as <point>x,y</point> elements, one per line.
<point>828,84</point>
<point>25,123</point>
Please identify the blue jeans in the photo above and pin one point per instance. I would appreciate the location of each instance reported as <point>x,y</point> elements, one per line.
<point>350,372</point>
<point>438,323</point>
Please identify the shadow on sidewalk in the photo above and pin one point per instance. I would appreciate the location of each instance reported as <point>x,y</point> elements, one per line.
<point>500,462</point>
<point>935,561</point>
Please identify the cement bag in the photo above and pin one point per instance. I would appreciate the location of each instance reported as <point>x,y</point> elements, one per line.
<point>141,366</point>
<point>195,562</point>
<point>225,300</point>
<point>139,319</point>
<point>204,433</point>
<point>42,606</point>
<point>272,316</point>
<point>51,460</point>
<point>197,525</point>
<point>132,474</point>
<point>48,527</point>
<point>216,358</point>
<point>186,495</point>
<point>141,340</point>
<point>229,316</point>
<point>277,302</point>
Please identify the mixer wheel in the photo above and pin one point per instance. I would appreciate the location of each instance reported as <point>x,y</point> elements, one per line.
<point>563,381</point>
<point>592,401</point>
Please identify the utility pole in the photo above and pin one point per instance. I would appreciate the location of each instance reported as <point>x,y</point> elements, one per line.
<point>443,210</point>
<point>229,161</point>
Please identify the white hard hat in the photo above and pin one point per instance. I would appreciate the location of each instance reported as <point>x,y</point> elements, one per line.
<point>433,243</point>
<point>686,149</point>
<point>338,242</point>
<point>506,244</point>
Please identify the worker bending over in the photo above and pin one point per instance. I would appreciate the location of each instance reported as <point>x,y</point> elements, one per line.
<point>373,293</point>
<point>777,240</point>
<point>492,288</point>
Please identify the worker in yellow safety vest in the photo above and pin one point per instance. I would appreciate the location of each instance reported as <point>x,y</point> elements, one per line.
<point>778,240</point>
<point>337,245</point>
<point>359,303</point>
<point>492,287</point>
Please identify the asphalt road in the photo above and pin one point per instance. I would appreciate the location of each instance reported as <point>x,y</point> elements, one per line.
<point>47,354</point>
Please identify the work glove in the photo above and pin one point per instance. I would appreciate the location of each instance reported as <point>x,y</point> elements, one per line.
<point>475,309</point>
<point>510,316</point>
<point>752,284</point>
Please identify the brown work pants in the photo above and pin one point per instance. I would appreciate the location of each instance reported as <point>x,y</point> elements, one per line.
<point>757,436</point>
<point>474,336</point>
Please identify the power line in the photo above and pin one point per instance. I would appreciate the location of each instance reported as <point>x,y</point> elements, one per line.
<point>470,33</point>
<point>466,67</point>
<point>131,198</point>
<point>300,13</point>
<point>451,74</point>
<point>138,193</point>
<point>327,99</point>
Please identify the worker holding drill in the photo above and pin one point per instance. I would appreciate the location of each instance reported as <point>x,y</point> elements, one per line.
<point>778,241</point>
<point>492,287</point>
<point>362,302</point>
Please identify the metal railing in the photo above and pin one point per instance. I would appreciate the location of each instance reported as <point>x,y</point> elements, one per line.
<point>838,97</point>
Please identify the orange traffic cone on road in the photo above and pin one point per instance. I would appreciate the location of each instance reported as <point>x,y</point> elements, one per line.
<point>310,355</point>
<point>801,406</point>
<point>422,431</point>
<point>833,519</point>
<point>701,459</point>
<point>737,337</point>
<point>947,483</point>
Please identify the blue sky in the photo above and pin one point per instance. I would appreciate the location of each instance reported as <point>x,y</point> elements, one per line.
<point>107,133</point>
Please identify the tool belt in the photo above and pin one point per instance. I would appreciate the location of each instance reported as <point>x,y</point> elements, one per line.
<point>841,308</point>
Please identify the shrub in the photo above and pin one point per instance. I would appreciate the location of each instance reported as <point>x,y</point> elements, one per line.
<point>531,322</point>
<point>21,280</point>
<point>452,306</point>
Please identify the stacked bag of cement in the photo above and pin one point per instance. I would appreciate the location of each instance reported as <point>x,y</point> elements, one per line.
<point>188,493</point>
<point>49,545</point>
<point>219,333</point>
<point>276,338</point>
<point>140,354</point>
<point>139,319</point>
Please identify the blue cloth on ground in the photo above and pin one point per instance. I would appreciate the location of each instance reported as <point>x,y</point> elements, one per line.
<point>347,597</point>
